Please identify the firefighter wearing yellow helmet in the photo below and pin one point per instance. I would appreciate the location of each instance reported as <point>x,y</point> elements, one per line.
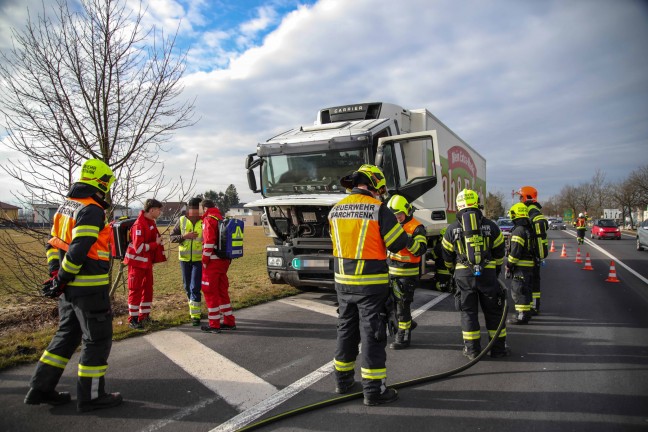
<point>539,227</point>
<point>78,260</point>
<point>473,249</point>
<point>363,229</point>
<point>521,260</point>
<point>404,269</point>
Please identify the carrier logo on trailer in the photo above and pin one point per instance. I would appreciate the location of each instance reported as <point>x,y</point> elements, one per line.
<point>347,109</point>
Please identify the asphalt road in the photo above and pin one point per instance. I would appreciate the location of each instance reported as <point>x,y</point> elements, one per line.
<point>580,365</point>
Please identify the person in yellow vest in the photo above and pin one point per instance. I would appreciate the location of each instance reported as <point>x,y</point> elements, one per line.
<point>362,229</point>
<point>188,233</point>
<point>78,258</point>
<point>404,269</point>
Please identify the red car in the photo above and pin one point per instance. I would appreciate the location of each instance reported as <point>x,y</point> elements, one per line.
<point>605,228</point>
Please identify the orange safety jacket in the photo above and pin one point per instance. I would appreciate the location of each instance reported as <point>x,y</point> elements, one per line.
<point>65,229</point>
<point>406,262</point>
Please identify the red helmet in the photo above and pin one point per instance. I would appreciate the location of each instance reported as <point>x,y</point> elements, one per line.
<point>528,193</point>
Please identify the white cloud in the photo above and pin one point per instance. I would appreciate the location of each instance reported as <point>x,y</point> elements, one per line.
<point>547,91</point>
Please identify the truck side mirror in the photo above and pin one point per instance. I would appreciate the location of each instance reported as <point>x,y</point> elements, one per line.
<point>252,181</point>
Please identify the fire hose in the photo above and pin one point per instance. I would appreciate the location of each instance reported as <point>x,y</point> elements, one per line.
<point>403,384</point>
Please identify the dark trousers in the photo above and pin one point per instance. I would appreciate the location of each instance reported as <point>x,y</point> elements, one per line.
<point>535,287</point>
<point>87,320</point>
<point>191,277</point>
<point>521,289</point>
<point>362,319</point>
<point>484,291</point>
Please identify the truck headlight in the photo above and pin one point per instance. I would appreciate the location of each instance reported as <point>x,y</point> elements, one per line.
<point>275,262</point>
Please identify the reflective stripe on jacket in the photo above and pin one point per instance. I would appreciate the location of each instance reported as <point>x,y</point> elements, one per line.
<point>190,250</point>
<point>406,262</point>
<point>65,229</point>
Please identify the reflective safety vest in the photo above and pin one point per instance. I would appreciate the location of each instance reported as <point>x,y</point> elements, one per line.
<point>354,229</point>
<point>190,250</point>
<point>404,255</point>
<point>65,229</point>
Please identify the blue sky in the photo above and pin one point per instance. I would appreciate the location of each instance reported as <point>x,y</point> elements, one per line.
<point>547,91</point>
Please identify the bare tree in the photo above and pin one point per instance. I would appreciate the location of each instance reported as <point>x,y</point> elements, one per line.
<point>91,83</point>
<point>628,197</point>
<point>494,206</point>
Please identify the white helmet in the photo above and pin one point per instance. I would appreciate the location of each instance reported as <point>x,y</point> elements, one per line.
<point>580,214</point>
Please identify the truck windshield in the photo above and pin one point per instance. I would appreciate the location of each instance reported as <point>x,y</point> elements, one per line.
<point>311,173</point>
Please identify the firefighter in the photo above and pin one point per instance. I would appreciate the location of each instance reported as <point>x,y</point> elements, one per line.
<point>473,250</point>
<point>581,227</point>
<point>363,229</point>
<point>215,284</point>
<point>520,263</point>
<point>78,260</point>
<point>539,227</point>
<point>442,278</point>
<point>144,250</point>
<point>404,269</point>
<point>188,233</point>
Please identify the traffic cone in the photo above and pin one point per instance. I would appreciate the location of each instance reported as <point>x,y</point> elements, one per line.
<point>578,257</point>
<point>612,275</point>
<point>553,249</point>
<point>563,254</point>
<point>588,263</point>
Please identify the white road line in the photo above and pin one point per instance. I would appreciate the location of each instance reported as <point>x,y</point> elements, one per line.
<point>310,305</point>
<point>179,415</point>
<point>236,385</point>
<point>278,398</point>
<point>616,260</point>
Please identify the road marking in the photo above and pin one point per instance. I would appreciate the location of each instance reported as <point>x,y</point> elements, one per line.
<point>278,398</point>
<point>616,260</point>
<point>236,385</point>
<point>252,414</point>
<point>310,305</point>
<point>179,415</point>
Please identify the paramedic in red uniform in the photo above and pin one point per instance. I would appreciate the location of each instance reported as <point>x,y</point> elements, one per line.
<point>143,251</point>
<point>215,284</point>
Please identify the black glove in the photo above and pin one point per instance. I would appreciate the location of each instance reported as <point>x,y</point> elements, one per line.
<point>52,288</point>
<point>498,271</point>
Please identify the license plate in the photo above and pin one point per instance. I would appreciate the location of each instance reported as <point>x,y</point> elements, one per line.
<point>314,263</point>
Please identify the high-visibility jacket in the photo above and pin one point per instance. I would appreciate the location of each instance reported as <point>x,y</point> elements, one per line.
<point>363,229</point>
<point>539,227</point>
<point>406,262</point>
<point>210,234</point>
<point>190,250</point>
<point>522,253</point>
<point>143,247</point>
<point>79,247</point>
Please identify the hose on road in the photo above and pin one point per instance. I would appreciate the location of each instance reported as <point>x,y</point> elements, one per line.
<point>403,384</point>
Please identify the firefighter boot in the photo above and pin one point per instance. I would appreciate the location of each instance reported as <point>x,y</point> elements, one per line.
<point>37,397</point>
<point>535,309</point>
<point>345,381</point>
<point>377,393</point>
<point>519,318</point>
<point>106,400</point>
<point>402,341</point>
<point>471,349</point>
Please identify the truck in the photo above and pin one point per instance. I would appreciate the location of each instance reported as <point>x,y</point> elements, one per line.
<point>300,170</point>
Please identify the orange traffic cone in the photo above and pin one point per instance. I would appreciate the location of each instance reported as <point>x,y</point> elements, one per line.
<point>578,257</point>
<point>612,275</point>
<point>588,263</point>
<point>553,249</point>
<point>563,254</point>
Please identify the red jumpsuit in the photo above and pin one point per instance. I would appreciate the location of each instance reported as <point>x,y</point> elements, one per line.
<point>143,251</point>
<point>215,284</point>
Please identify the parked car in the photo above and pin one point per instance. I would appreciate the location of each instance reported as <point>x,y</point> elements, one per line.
<point>555,224</point>
<point>605,228</point>
<point>505,225</point>
<point>642,235</point>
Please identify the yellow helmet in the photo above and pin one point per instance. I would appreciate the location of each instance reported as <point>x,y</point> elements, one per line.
<point>96,173</point>
<point>518,210</point>
<point>375,176</point>
<point>467,199</point>
<point>398,204</point>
